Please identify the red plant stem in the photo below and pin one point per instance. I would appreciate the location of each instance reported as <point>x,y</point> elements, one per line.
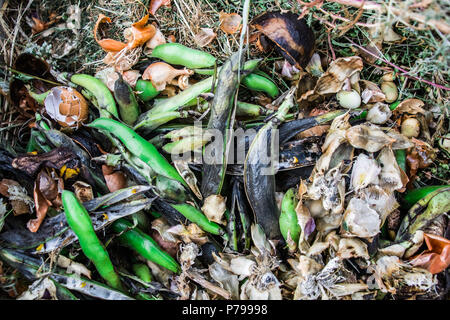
<point>405,72</point>
<point>331,47</point>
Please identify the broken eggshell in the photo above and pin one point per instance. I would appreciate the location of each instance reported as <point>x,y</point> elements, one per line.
<point>67,106</point>
<point>292,37</point>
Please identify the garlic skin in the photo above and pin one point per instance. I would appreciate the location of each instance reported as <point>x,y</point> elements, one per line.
<point>365,172</point>
<point>411,128</point>
<point>379,113</point>
<point>67,106</point>
<point>349,99</point>
<point>360,220</point>
<point>214,208</point>
<point>161,74</point>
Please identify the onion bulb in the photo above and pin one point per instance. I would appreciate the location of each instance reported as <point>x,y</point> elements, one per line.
<point>349,99</point>
<point>390,91</point>
<point>411,128</point>
<point>161,73</point>
<point>67,106</point>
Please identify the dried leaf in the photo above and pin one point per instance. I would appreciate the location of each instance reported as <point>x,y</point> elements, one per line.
<point>341,69</point>
<point>288,34</point>
<point>437,258</point>
<point>368,137</point>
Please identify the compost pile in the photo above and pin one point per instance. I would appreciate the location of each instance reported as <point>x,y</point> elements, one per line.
<point>271,169</point>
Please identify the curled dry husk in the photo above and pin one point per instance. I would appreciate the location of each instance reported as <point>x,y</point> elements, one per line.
<point>47,192</point>
<point>161,74</point>
<point>371,92</point>
<point>365,171</point>
<point>391,176</point>
<point>155,41</point>
<point>17,196</point>
<point>292,37</point>
<point>67,106</point>
<point>137,35</point>
<point>341,69</point>
<point>214,208</point>
<point>368,137</point>
<point>392,275</point>
<point>360,220</point>
<point>437,256</point>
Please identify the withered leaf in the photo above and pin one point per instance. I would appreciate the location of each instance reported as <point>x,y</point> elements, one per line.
<point>292,37</point>
<point>55,159</point>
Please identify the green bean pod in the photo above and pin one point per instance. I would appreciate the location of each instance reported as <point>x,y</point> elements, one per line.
<point>194,215</point>
<point>142,271</point>
<point>186,144</point>
<point>145,90</point>
<point>144,245</point>
<point>79,221</point>
<point>288,217</point>
<point>413,196</point>
<point>128,106</point>
<point>104,97</point>
<point>245,109</point>
<point>175,53</point>
<point>256,82</point>
<point>400,156</point>
<point>155,120</point>
<point>139,147</point>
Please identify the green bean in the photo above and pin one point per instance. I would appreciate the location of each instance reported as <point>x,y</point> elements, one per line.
<point>194,215</point>
<point>79,221</point>
<point>128,106</point>
<point>104,97</point>
<point>145,90</point>
<point>288,217</point>
<point>175,53</point>
<point>142,271</point>
<point>256,82</point>
<point>144,245</point>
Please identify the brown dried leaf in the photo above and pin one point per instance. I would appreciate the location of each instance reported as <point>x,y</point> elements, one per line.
<point>437,258</point>
<point>83,191</point>
<point>115,180</point>
<point>56,159</point>
<point>338,72</point>
<point>292,37</point>
<point>19,207</point>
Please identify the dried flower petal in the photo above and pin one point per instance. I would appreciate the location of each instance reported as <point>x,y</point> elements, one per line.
<point>204,37</point>
<point>230,23</point>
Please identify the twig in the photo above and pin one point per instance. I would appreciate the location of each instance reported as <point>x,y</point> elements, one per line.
<point>405,72</point>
